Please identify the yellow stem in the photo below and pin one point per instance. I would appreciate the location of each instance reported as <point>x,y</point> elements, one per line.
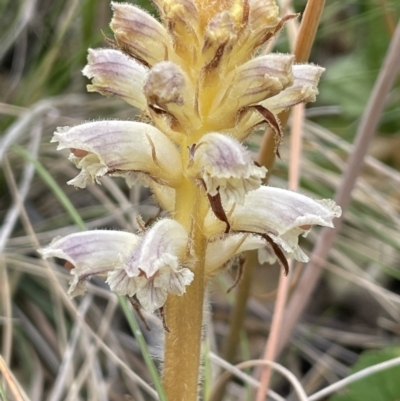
<point>184,314</point>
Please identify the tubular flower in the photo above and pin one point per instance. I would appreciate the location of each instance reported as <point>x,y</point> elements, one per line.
<point>119,148</point>
<point>225,167</point>
<point>148,266</point>
<point>195,78</point>
<point>114,73</point>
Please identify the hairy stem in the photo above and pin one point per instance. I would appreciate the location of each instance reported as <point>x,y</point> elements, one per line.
<point>182,358</point>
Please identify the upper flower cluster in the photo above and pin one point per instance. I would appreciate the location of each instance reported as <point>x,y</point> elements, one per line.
<point>195,76</point>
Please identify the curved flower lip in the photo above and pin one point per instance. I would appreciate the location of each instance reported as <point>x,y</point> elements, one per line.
<point>154,269</point>
<point>281,214</point>
<point>120,147</point>
<point>139,34</point>
<point>151,293</point>
<point>165,243</point>
<point>114,73</point>
<point>91,252</point>
<point>225,166</point>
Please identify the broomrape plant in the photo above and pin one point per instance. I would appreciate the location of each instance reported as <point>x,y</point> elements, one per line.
<point>198,78</point>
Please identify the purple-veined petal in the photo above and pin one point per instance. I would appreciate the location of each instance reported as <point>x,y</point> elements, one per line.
<point>225,166</point>
<point>168,88</point>
<point>303,90</point>
<point>154,269</point>
<point>91,252</point>
<point>164,244</point>
<point>114,73</point>
<point>120,147</point>
<point>281,214</point>
<point>139,34</point>
<point>257,80</point>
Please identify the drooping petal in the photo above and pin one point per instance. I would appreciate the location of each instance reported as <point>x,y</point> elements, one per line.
<point>122,284</point>
<point>91,252</point>
<point>168,281</point>
<point>119,147</point>
<point>225,166</point>
<point>221,250</point>
<point>281,214</point>
<point>139,34</point>
<point>114,73</point>
<point>155,268</point>
<point>164,245</point>
<point>303,90</point>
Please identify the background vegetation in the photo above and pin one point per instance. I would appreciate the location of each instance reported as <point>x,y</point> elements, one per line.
<point>53,348</point>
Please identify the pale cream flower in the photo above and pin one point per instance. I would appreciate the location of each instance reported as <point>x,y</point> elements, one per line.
<point>225,167</point>
<point>149,266</point>
<point>254,81</point>
<point>282,215</point>
<point>119,148</point>
<point>140,35</point>
<point>155,268</point>
<point>92,253</point>
<point>114,73</point>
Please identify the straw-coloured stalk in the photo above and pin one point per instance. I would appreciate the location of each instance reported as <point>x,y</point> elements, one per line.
<point>195,76</point>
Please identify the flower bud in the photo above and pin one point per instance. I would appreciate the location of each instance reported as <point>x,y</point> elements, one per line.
<point>254,81</point>
<point>181,18</point>
<point>140,35</point>
<point>219,37</point>
<point>114,73</point>
<point>304,89</point>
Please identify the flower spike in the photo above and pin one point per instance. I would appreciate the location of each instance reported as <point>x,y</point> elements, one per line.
<point>202,85</point>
